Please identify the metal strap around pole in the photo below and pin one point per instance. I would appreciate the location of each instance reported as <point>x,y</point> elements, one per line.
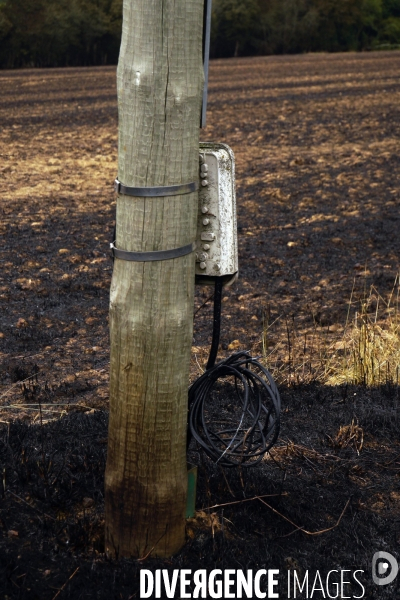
<point>158,191</point>
<point>152,256</point>
<point>151,192</point>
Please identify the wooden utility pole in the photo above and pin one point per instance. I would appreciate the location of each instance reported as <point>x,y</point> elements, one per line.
<point>160,80</point>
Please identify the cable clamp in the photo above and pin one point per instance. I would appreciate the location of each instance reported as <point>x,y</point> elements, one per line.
<point>159,191</point>
<point>152,256</point>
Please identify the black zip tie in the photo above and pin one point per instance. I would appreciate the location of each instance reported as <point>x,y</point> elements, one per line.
<point>152,256</point>
<point>159,191</point>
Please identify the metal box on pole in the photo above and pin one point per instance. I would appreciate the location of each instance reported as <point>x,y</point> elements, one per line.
<point>216,251</point>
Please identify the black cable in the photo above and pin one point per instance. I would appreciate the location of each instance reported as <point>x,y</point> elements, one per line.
<point>242,424</point>
<point>114,238</point>
<point>216,323</point>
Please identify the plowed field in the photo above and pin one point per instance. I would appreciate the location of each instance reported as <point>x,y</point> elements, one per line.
<point>317,146</point>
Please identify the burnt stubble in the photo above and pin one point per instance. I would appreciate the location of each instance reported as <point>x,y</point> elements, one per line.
<point>316,139</point>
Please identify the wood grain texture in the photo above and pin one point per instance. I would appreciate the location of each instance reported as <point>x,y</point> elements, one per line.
<point>160,81</point>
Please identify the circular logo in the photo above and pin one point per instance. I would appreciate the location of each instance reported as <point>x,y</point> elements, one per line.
<point>384,568</point>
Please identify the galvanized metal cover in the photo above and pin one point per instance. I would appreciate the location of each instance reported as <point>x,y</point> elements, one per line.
<point>216,253</point>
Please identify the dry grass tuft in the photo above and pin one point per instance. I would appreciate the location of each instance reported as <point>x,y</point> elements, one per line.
<point>283,454</point>
<point>369,351</point>
<point>366,353</point>
<point>203,521</point>
<point>349,436</point>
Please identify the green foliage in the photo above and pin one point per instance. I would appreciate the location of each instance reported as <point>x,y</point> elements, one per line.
<point>43,33</point>
<point>288,26</point>
<point>390,32</point>
<point>390,8</point>
<point>236,21</point>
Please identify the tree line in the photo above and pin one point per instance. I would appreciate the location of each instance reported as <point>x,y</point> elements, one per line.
<point>246,27</point>
<point>50,33</point>
<point>58,33</point>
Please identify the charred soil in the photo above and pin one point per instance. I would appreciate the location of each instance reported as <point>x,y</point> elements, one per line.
<point>316,139</point>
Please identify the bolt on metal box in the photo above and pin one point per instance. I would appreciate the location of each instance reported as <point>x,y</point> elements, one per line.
<point>216,251</point>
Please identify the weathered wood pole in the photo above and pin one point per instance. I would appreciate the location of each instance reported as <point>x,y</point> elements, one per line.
<point>160,80</point>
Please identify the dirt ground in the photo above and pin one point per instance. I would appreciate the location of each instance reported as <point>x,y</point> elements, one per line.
<point>317,146</point>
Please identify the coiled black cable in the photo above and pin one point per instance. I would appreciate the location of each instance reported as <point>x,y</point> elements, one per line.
<point>239,427</point>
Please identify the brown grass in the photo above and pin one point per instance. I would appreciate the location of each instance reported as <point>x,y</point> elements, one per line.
<point>364,351</point>
<point>369,351</point>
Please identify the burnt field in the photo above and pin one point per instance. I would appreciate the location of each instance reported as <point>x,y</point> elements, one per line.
<point>317,146</point>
